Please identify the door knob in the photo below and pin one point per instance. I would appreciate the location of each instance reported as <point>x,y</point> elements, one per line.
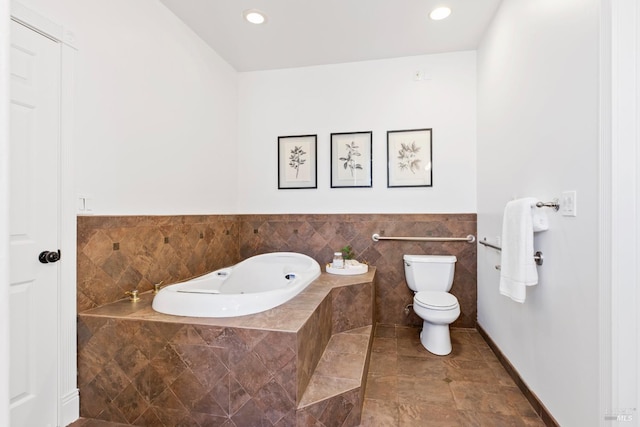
<point>46,257</point>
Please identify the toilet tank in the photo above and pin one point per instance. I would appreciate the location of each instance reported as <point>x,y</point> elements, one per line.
<point>429,272</point>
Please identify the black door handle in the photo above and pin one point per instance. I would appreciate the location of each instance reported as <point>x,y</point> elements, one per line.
<point>46,257</point>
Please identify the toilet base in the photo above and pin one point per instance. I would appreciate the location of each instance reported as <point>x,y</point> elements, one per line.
<point>436,338</point>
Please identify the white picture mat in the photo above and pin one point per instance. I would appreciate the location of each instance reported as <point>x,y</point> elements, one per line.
<point>409,154</point>
<point>297,164</point>
<point>351,159</point>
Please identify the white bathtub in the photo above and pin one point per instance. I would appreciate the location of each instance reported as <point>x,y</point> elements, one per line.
<point>251,286</point>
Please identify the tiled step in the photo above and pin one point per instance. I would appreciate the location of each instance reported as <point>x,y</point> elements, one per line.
<point>336,389</point>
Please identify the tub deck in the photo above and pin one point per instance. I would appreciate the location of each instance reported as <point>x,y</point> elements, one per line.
<point>139,366</point>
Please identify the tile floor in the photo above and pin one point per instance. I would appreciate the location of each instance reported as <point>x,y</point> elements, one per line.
<point>408,386</point>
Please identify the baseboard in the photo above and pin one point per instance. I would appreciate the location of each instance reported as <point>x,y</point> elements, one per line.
<point>70,407</point>
<point>537,405</point>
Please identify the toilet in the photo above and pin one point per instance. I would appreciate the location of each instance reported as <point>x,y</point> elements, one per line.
<point>430,277</point>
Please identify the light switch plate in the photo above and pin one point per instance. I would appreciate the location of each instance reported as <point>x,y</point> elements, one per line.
<point>85,205</point>
<point>568,204</point>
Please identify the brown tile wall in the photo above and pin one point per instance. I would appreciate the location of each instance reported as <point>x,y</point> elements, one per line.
<point>353,307</point>
<point>320,235</point>
<point>157,373</point>
<point>312,340</point>
<point>120,253</point>
<point>342,410</point>
<point>117,254</point>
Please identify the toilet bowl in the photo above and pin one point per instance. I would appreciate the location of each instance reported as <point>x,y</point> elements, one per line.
<point>431,277</point>
<point>437,310</point>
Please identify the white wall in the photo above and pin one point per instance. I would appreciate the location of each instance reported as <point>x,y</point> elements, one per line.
<point>156,110</point>
<point>4,213</point>
<point>161,120</point>
<point>620,209</point>
<point>538,136</point>
<point>366,96</point>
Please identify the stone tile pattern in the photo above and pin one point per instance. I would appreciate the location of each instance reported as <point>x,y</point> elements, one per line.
<point>336,392</point>
<point>408,386</point>
<point>320,235</point>
<point>338,328</point>
<point>120,253</point>
<point>312,340</point>
<point>143,257</point>
<point>353,306</point>
<point>171,371</point>
<point>90,422</point>
<point>163,374</point>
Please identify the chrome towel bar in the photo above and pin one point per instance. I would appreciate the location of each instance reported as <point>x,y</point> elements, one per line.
<point>470,238</point>
<point>555,204</point>
<point>538,257</point>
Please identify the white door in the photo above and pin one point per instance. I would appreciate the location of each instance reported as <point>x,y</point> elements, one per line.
<point>34,227</point>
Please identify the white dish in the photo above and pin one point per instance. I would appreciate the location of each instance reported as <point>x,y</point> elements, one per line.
<point>351,268</point>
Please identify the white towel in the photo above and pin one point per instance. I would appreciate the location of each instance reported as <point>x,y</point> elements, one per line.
<point>518,268</point>
<point>540,220</point>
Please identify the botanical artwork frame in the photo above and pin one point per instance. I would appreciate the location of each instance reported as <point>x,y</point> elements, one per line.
<point>297,162</point>
<point>352,159</point>
<point>410,158</point>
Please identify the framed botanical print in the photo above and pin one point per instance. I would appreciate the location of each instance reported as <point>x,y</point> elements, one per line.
<point>351,159</point>
<point>297,162</point>
<point>409,158</point>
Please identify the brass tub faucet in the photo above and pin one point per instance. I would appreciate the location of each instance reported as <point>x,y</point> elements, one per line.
<point>133,295</point>
<point>157,287</point>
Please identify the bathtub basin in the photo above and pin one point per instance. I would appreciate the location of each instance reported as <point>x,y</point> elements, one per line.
<point>256,284</point>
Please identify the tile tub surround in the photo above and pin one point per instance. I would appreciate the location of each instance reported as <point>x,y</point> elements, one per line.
<point>319,235</point>
<point>143,257</point>
<point>140,367</point>
<point>120,253</point>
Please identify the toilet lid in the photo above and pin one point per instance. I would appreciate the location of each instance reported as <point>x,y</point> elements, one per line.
<point>436,300</point>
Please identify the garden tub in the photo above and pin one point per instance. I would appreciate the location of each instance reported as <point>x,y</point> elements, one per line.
<point>256,284</point>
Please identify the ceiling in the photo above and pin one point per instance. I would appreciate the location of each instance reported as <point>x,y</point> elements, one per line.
<point>302,33</point>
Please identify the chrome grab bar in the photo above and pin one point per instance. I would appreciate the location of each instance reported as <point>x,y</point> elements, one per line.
<point>470,238</point>
<point>485,243</point>
<point>538,257</point>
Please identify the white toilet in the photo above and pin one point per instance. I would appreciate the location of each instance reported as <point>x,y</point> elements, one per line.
<point>430,277</point>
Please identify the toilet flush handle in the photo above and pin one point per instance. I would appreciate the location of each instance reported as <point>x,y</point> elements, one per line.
<point>407,264</point>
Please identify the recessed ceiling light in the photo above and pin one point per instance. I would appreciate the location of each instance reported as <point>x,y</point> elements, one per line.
<point>254,16</point>
<point>440,13</point>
